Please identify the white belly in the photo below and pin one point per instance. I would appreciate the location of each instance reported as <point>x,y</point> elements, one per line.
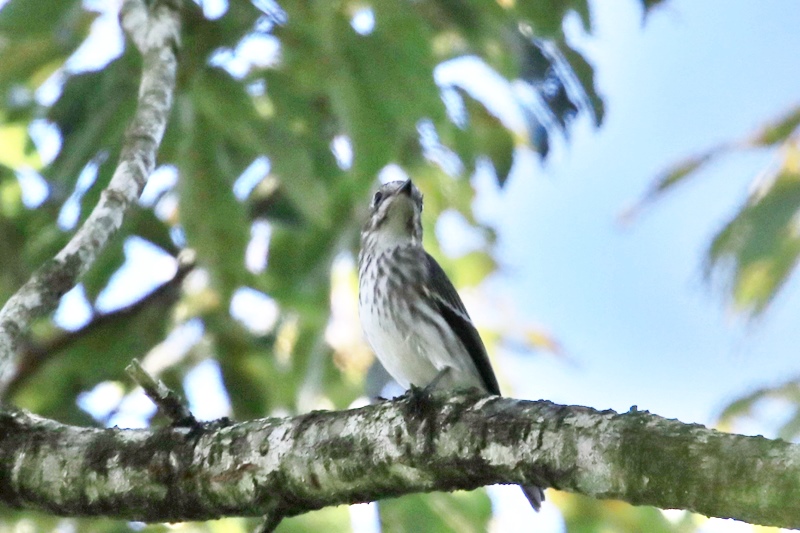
<point>416,355</point>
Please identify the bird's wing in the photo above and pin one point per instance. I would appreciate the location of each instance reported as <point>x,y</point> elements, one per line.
<point>455,314</point>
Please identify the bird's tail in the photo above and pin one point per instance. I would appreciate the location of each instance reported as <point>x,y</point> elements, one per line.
<point>534,494</point>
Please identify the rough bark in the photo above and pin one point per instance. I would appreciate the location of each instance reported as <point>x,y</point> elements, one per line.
<point>284,467</point>
<point>155,32</point>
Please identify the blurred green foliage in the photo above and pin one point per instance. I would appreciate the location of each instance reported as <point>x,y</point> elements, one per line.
<point>758,248</point>
<point>355,74</point>
<point>784,397</point>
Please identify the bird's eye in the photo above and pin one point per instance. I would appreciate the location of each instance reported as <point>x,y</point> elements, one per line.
<point>377,198</point>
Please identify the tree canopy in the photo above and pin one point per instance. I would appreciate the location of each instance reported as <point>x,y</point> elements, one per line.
<point>284,116</point>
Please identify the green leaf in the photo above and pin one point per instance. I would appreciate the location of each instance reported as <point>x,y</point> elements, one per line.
<point>650,4</point>
<point>23,231</point>
<point>37,37</point>
<point>585,75</point>
<point>256,383</point>
<point>770,135</point>
<point>272,203</point>
<point>779,130</point>
<point>482,27</point>
<point>680,172</point>
<point>672,177</point>
<point>16,152</point>
<point>443,192</point>
<point>202,37</point>
<point>746,407</point>
<point>405,85</point>
<point>461,140</point>
<point>484,135</point>
<point>759,248</point>
<point>364,111</point>
<point>219,138</point>
<point>225,107</point>
<point>92,114</point>
<point>215,223</point>
<point>20,18</point>
<point>297,140</point>
<point>491,138</point>
<point>546,16</point>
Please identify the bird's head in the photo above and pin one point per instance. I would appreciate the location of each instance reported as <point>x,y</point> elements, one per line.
<point>395,216</point>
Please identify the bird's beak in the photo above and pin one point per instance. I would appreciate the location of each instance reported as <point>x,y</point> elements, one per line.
<point>406,188</point>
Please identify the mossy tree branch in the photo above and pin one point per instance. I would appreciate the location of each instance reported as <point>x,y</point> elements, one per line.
<point>155,33</point>
<point>284,467</point>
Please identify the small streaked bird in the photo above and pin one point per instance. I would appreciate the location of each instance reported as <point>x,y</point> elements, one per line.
<point>410,312</point>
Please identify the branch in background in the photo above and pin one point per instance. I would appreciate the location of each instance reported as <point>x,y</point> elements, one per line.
<point>32,355</point>
<point>155,32</point>
<point>443,441</point>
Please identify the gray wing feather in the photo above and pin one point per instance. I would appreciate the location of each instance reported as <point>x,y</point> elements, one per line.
<point>455,314</point>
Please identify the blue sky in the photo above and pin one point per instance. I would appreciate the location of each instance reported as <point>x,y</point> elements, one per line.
<point>629,302</point>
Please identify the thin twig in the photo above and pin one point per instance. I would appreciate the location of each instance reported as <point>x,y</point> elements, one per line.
<point>167,400</point>
<point>269,523</point>
<point>155,33</point>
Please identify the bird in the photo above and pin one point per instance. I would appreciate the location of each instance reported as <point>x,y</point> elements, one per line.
<point>410,312</point>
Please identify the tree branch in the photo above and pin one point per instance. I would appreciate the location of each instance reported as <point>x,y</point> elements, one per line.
<point>155,33</point>
<point>418,443</point>
<point>167,400</point>
<point>33,354</point>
